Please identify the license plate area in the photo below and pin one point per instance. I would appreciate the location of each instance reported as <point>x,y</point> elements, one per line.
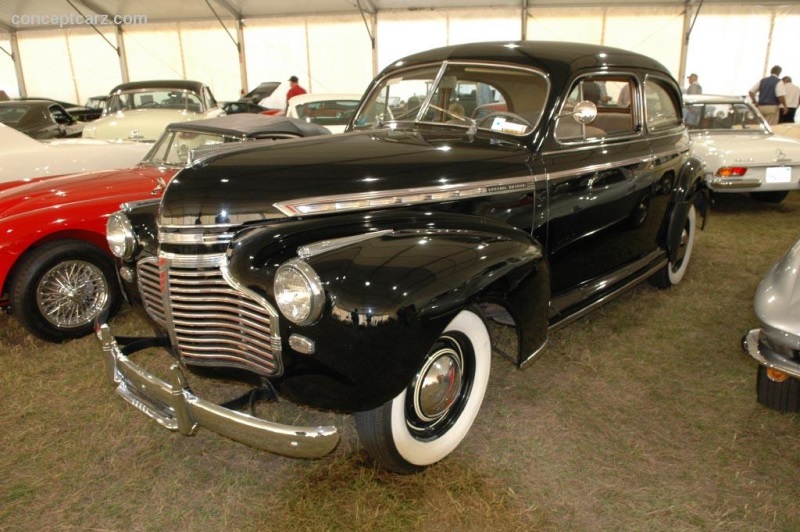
<point>779,174</point>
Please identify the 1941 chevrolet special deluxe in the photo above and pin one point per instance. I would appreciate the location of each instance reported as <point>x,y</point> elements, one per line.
<point>357,273</point>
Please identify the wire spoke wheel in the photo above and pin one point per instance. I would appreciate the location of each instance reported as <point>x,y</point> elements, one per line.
<point>72,293</point>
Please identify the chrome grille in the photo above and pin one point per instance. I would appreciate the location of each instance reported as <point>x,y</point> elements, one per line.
<point>211,322</point>
<point>149,288</point>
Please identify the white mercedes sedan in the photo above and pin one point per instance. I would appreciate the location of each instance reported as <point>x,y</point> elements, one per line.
<point>739,150</point>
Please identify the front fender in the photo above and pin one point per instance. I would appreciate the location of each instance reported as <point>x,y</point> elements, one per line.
<point>387,297</point>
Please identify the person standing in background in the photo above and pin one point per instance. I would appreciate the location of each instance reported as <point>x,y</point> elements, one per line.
<point>792,100</point>
<point>694,87</point>
<point>294,88</point>
<point>771,95</point>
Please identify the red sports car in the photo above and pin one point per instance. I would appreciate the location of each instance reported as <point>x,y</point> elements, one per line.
<point>56,271</point>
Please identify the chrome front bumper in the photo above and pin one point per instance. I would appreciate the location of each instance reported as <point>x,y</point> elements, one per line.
<point>175,407</point>
<point>768,357</point>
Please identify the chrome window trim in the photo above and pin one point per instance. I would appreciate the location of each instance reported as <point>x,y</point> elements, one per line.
<point>666,130</point>
<point>313,206</point>
<point>636,111</point>
<point>444,64</point>
<point>680,149</point>
<point>317,248</point>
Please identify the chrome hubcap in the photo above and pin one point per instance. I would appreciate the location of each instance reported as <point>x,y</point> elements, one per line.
<point>72,293</point>
<point>438,384</point>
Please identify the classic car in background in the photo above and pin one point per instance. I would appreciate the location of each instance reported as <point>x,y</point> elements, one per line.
<point>77,112</point>
<point>355,272</point>
<point>776,345</point>
<point>40,119</point>
<point>263,90</point>
<point>232,108</point>
<point>333,111</point>
<point>141,110</point>
<point>23,158</point>
<point>97,102</point>
<point>56,272</point>
<point>740,152</point>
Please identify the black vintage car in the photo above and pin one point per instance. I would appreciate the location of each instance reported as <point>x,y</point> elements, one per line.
<point>40,119</point>
<point>358,273</point>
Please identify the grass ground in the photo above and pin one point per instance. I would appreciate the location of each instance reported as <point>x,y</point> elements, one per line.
<point>640,416</point>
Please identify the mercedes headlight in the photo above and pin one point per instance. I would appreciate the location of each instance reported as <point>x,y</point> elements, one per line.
<point>119,233</point>
<point>299,293</point>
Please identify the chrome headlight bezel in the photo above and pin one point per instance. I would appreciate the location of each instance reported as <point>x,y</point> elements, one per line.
<point>307,308</point>
<point>120,236</point>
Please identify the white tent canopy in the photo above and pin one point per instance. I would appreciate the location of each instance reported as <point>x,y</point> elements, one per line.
<point>48,49</point>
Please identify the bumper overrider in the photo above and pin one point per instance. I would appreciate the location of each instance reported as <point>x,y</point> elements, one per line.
<point>175,407</point>
<point>767,356</point>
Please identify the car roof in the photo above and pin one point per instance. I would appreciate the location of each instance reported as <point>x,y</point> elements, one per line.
<point>249,125</point>
<point>712,98</point>
<point>195,86</point>
<point>548,55</point>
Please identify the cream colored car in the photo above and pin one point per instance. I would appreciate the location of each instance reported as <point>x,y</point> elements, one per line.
<point>332,111</point>
<point>26,159</point>
<point>142,110</point>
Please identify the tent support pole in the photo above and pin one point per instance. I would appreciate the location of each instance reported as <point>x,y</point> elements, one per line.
<point>123,57</point>
<point>688,25</point>
<point>523,33</point>
<point>23,92</point>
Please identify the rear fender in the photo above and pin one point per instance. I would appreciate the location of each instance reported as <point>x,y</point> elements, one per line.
<point>690,190</point>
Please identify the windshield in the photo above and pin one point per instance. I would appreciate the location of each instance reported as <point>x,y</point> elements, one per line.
<point>10,114</point>
<point>328,112</point>
<point>174,146</point>
<point>723,117</point>
<point>495,97</point>
<point>156,99</point>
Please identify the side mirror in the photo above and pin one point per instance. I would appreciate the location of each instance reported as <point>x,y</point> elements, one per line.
<point>584,112</point>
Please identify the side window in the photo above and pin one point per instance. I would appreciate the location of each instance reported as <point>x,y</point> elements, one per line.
<point>616,116</point>
<point>661,109</point>
<point>59,115</point>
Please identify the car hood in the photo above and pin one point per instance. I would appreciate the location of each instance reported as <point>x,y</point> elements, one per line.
<point>245,185</point>
<point>108,187</point>
<point>777,301</point>
<point>747,148</point>
<point>141,124</point>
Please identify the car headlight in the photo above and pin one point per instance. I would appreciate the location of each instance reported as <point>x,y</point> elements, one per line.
<point>120,237</point>
<point>299,293</point>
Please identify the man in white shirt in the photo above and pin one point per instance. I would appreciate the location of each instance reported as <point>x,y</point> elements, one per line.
<point>792,100</point>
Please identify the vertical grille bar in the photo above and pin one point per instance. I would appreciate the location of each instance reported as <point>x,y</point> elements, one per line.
<point>213,320</point>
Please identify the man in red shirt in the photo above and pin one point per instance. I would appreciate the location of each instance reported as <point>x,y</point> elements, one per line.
<point>294,88</point>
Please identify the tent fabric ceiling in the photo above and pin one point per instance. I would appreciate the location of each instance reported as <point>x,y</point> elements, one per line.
<point>176,10</point>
